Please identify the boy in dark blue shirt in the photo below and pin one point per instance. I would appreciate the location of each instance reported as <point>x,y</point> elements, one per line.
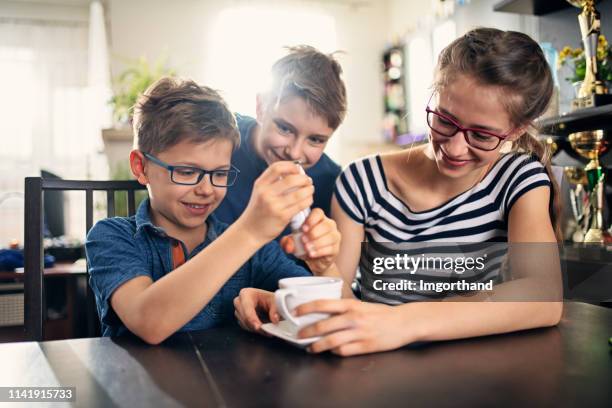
<point>173,266</point>
<point>296,116</point>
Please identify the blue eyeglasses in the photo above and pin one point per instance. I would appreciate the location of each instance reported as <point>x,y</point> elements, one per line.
<point>190,176</point>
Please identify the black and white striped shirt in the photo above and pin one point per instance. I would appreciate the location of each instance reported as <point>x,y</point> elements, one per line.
<point>477,215</point>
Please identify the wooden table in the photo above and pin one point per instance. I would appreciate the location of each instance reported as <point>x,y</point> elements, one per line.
<point>568,365</point>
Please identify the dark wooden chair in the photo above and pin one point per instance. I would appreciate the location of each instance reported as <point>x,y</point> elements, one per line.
<point>35,305</point>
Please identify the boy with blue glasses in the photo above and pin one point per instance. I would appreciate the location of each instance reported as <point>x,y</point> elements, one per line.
<point>173,266</point>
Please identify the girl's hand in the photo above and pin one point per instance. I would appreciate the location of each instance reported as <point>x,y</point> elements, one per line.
<point>321,240</point>
<point>250,303</point>
<point>355,327</point>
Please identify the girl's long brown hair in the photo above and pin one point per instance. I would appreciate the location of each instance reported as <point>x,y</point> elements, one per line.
<point>516,64</point>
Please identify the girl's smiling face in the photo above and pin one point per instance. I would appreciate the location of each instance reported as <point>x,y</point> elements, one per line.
<point>472,105</point>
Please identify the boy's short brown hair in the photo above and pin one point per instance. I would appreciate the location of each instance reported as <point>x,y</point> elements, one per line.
<point>314,76</point>
<point>172,110</point>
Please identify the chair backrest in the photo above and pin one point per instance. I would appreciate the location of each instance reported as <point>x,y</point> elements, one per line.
<point>53,209</point>
<point>35,306</point>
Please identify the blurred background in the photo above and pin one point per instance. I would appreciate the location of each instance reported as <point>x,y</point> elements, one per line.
<point>70,69</point>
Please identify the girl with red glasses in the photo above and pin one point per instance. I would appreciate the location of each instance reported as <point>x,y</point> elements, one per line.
<point>482,177</point>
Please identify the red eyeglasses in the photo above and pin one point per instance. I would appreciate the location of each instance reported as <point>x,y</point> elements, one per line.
<point>477,138</point>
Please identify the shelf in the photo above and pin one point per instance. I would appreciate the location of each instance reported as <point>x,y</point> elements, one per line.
<point>599,117</point>
<point>533,7</point>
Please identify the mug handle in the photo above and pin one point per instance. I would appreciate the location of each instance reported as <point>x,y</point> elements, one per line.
<point>280,297</point>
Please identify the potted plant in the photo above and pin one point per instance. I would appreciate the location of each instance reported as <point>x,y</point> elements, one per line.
<point>132,82</point>
<point>128,86</point>
<point>574,57</point>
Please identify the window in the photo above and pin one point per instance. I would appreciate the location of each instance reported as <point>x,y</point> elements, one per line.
<point>18,86</point>
<point>420,76</point>
<point>45,119</point>
<point>423,52</point>
<point>245,42</point>
<point>442,35</point>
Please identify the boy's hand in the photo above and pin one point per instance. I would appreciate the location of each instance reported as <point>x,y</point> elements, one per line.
<point>278,194</point>
<point>249,302</point>
<point>321,240</point>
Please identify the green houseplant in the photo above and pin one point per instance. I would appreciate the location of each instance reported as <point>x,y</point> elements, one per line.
<point>127,87</point>
<point>132,82</point>
<point>575,59</point>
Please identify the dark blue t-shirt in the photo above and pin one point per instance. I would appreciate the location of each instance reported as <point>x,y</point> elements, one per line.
<point>122,248</point>
<point>245,158</point>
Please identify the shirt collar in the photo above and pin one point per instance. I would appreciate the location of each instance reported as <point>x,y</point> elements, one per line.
<point>143,216</point>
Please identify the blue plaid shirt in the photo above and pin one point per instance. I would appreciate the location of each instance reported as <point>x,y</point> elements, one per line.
<point>120,249</point>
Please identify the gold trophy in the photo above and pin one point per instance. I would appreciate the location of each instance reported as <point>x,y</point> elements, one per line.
<point>593,91</point>
<point>591,145</point>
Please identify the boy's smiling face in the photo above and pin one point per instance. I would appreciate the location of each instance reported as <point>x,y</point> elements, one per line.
<point>290,131</point>
<point>183,209</point>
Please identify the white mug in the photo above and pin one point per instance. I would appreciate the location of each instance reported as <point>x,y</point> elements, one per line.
<point>296,291</point>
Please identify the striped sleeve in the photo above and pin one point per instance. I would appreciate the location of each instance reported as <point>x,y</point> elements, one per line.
<point>350,195</point>
<point>529,174</point>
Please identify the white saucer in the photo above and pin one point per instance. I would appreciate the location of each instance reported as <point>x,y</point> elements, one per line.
<point>288,332</point>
